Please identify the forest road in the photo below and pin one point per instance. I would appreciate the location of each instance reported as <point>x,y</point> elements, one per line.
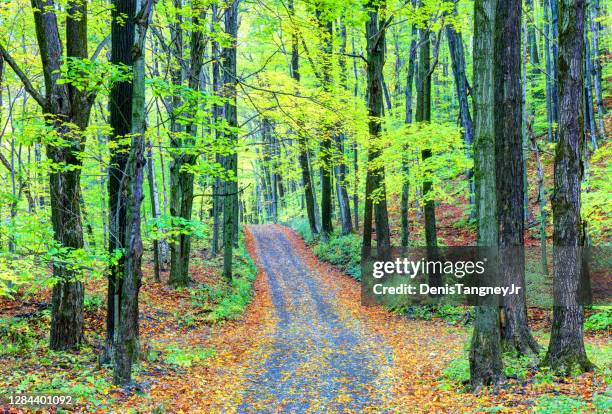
<point>322,358</point>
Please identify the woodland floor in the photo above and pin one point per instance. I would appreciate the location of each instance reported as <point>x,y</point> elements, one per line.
<point>304,345</point>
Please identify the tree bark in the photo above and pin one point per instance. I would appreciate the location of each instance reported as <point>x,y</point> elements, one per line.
<point>508,119</point>
<point>485,350</point>
<point>566,348</point>
<point>230,197</point>
<point>375,177</point>
<point>127,346</point>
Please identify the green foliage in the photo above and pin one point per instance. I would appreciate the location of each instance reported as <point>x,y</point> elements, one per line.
<point>599,321</point>
<point>186,356</point>
<point>343,252</point>
<point>93,302</point>
<point>559,404</point>
<point>457,371</point>
<point>16,336</point>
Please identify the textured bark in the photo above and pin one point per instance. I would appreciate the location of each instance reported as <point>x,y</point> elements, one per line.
<point>485,350</point>
<point>566,348</point>
<point>508,118</point>
<point>375,177</point>
<point>158,249</point>
<point>126,345</point>
<point>120,108</point>
<point>230,196</point>
<point>66,110</point>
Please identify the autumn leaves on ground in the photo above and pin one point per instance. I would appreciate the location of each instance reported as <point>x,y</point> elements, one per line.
<point>303,344</point>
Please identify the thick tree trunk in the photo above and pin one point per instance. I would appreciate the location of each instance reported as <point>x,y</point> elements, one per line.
<point>120,107</point>
<point>566,348</point>
<point>67,110</point>
<point>127,345</point>
<point>375,177</point>
<point>485,350</point>
<point>509,160</point>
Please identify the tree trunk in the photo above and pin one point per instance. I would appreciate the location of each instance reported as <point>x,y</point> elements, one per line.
<point>326,28</point>
<point>485,350</point>
<point>120,107</point>
<point>596,65</point>
<point>230,196</point>
<point>423,114</point>
<point>541,197</point>
<point>566,348</point>
<point>154,197</point>
<point>405,198</point>
<point>549,71</point>
<point>375,177</point>
<point>508,114</point>
<point>127,346</point>
<point>455,45</point>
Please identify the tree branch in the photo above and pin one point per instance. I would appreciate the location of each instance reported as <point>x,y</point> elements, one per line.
<point>27,84</point>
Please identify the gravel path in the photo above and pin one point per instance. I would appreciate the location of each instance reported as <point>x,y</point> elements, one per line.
<point>322,359</point>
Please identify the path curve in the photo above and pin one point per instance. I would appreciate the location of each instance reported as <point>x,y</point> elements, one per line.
<point>320,359</point>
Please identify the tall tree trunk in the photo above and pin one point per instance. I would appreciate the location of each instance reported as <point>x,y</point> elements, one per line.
<point>127,346</point>
<point>302,145</point>
<point>485,349</point>
<point>375,177</point>
<point>154,197</point>
<point>186,158</point>
<point>549,70</point>
<point>344,204</point>
<point>423,114</point>
<point>455,46</point>
<point>566,348</point>
<point>541,197</point>
<point>230,196</point>
<point>120,107</point>
<point>405,198</point>
<point>509,160</point>
<point>532,41</point>
<point>217,114</point>
<point>596,65</point>
<point>326,27</point>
